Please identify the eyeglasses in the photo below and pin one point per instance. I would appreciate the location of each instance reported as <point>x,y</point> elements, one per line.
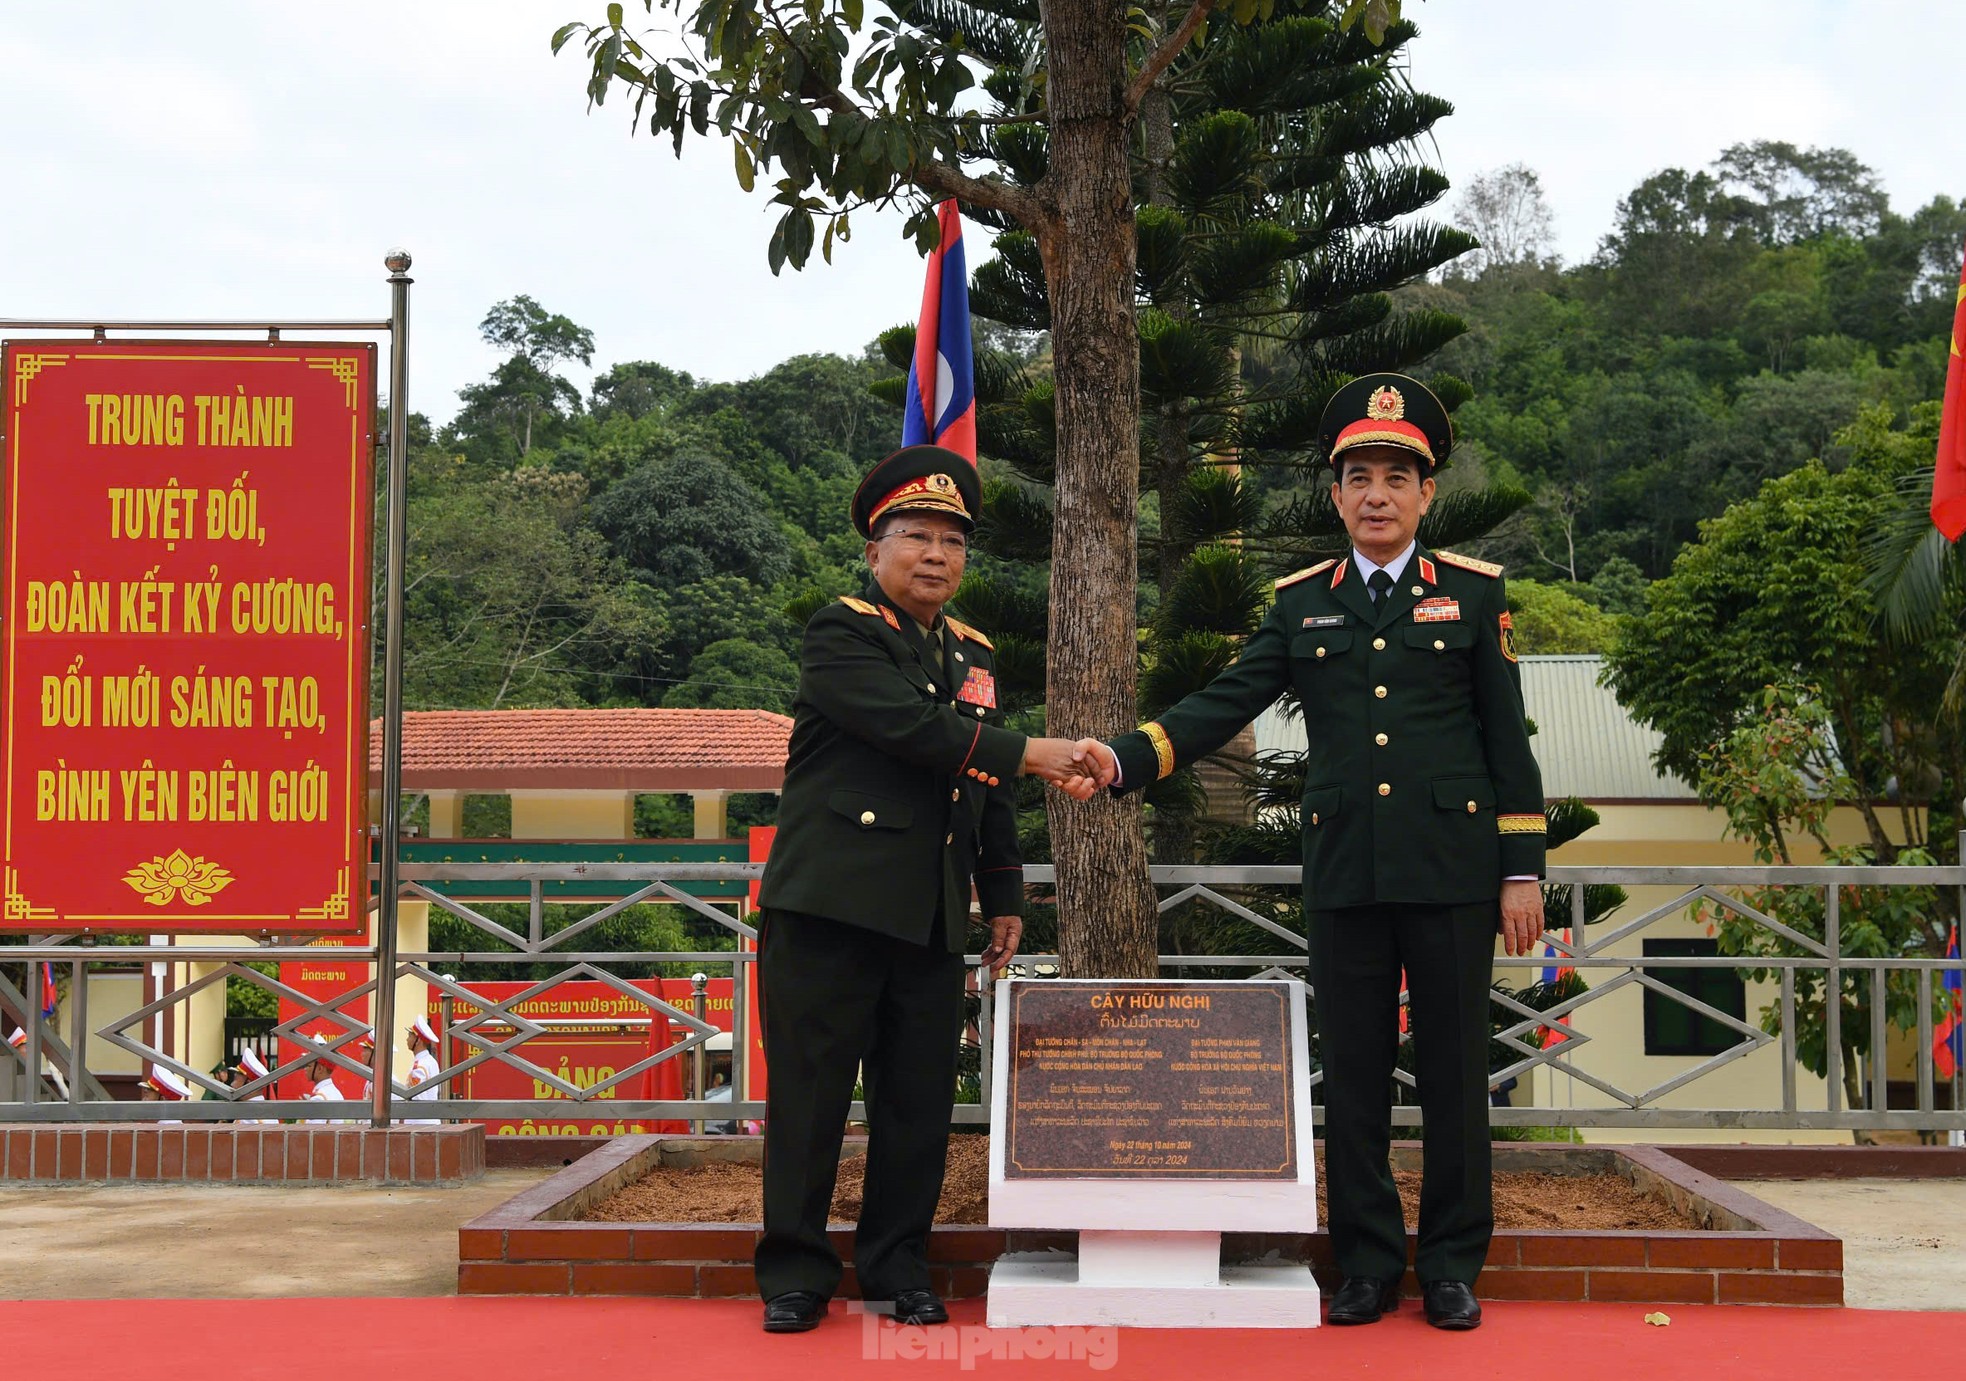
<point>919,542</point>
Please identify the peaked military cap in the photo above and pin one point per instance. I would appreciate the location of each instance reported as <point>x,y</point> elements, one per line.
<point>924,479</point>
<point>1387,410</point>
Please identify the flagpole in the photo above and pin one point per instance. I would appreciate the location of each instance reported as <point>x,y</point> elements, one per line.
<point>1957,1136</point>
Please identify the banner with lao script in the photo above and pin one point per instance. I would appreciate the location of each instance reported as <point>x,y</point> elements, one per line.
<point>184,636</point>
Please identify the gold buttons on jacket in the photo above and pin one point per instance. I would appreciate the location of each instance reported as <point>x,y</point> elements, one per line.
<point>1385,788</point>
<point>1313,817</point>
<point>1471,807</point>
<point>866,817</point>
<point>979,711</point>
<point>993,781</point>
<point>1379,739</point>
<point>948,838</point>
<point>1379,691</point>
<point>1320,652</point>
<point>955,793</point>
<point>1378,644</point>
<point>1439,646</point>
<point>931,684</point>
<point>959,656</point>
<point>1418,590</point>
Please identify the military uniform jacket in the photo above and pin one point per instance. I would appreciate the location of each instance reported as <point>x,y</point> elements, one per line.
<point>1420,786</point>
<point>899,778</point>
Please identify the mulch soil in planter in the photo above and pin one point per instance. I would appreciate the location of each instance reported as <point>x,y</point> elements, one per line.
<point>729,1193</point>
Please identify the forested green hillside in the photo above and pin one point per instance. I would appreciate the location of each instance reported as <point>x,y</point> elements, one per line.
<point>640,545</point>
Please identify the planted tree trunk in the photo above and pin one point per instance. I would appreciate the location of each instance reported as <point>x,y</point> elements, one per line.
<point>1106,906</point>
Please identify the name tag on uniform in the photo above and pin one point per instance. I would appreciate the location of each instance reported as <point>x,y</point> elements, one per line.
<point>980,688</point>
<point>1439,609</point>
<point>1326,621</point>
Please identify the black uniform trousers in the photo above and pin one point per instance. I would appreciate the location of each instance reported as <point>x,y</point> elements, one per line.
<point>1356,955</point>
<point>839,1000</point>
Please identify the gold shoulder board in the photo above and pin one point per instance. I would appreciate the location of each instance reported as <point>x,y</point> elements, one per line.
<point>1469,563</point>
<point>859,606</point>
<point>968,634</point>
<point>1307,572</point>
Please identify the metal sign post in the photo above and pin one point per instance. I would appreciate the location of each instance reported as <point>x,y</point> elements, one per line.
<point>398,264</point>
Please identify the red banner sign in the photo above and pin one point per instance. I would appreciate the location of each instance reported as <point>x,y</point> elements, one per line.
<point>592,1032</point>
<point>184,640</point>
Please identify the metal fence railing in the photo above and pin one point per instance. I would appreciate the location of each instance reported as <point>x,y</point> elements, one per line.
<point>495,1031</point>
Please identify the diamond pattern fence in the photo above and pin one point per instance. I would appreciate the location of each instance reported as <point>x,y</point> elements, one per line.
<point>1557,1039</point>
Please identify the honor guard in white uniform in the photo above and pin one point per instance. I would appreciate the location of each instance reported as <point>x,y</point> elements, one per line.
<point>321,1071</point>
<point>423,1066</point>
<point>254,1068</point>
<point>18,1040</point>
<point>163,1086</point>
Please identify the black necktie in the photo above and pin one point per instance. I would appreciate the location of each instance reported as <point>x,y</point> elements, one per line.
<point>1379,582</point>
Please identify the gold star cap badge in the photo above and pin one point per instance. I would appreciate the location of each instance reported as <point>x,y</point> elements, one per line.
<point>1387,405</point>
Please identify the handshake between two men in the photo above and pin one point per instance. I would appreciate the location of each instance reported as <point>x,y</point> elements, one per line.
<point>1078,767</point>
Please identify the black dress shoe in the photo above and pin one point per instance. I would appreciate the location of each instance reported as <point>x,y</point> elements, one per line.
<point>1450,1304</point>
<point>917,1307</point>
<point>1361,1299</point>
<point>795,1311</point>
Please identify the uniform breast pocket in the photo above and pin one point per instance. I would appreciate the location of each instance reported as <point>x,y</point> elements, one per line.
<point>1320,645</point>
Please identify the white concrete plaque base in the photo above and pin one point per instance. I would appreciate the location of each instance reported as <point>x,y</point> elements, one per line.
<point>1148,1280</point>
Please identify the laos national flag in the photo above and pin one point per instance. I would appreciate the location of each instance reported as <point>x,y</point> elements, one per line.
<point>1946,1040</point>
<point>49,999</point>
<point>941,407</point>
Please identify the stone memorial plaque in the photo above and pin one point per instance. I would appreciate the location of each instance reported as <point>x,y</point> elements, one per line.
<point>1150,1080</point>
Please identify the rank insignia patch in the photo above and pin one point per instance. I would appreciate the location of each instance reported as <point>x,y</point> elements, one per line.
<point>979,689</point>
<point>1439,609</point>
<point>1508,635</point>
<point>892,621</point>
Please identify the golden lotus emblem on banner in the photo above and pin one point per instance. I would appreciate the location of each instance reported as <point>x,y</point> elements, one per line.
<point>163,878</point>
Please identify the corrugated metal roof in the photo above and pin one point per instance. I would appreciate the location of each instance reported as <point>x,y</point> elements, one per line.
<point>1586,744</point>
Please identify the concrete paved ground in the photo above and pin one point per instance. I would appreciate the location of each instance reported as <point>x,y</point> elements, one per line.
<point>205,1242</point>
<point>1904,1241</point>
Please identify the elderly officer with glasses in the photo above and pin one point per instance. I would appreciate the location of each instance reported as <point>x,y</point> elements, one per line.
<point>898,799</point>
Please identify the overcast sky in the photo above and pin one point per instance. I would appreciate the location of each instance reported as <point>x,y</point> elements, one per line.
<point>231,158</point>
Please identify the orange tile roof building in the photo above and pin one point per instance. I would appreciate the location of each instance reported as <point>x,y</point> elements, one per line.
<point>574,774</point>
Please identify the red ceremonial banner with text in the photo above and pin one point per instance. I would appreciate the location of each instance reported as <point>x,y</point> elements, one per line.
<point>184,638</point>
<point>597,1031</point>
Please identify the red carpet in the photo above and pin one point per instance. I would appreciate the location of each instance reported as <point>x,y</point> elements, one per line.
<point>340,1339</point>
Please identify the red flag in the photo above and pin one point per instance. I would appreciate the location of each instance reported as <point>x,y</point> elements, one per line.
<point>1949,476</point>
<point>1946,1036</point>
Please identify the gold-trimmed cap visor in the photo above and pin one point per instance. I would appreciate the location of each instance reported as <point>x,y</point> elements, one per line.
<point>935,493</point>
<point>927,479</point>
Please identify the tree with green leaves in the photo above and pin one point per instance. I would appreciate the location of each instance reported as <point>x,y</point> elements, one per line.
<point>1773,594</point>
<point>851,110</point>
<point>524,389</point>
<point>510,598</point>
<point>1275,177</point>
<point>1778,777</point>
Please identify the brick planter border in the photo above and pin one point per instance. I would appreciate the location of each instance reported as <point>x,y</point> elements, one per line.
<point>1750,1252</point>
<point>118,1153</point>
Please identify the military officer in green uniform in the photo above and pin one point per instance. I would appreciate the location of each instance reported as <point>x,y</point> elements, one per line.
<point>897,799</point>
<point>1423,835</point>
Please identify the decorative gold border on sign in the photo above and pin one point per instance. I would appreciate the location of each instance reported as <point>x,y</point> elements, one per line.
<point>15,907</point>
<point>27,367</point>
<point>348,369</point>
<point>335,908</point>
<point>344,368</point>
